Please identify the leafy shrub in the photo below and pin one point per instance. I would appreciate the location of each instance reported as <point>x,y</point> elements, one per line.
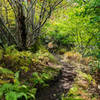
<point>5,71</point>
<point>78,27</point>
<point>5,75</point>
<point>58,34</point>
<point>15,60</point>
<point>95,66</point>
<point>44,55</point>
<point>16,91</point>
<point>43,77</point>
<point>40,79</point>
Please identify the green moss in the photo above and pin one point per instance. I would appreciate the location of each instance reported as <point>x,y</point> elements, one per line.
<point>73,91</point>
<point>88,77</point>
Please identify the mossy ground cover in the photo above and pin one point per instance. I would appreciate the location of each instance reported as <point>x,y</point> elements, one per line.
<point>85,86</point>
<point>25,61</point>
<point>34,69</point>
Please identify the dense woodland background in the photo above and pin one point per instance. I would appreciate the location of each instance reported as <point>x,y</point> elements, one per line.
<point>37,39</point>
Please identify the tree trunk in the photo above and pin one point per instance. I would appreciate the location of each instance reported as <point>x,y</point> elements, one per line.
<point>22,28</point>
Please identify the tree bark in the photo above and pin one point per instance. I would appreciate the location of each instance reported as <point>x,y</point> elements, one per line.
<point>22,27</point>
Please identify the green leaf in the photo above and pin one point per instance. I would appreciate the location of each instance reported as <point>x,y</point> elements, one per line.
<point>16,78</point>
<point>6,87</point>
<point>17,75</point>
<point>1,94</point>
<point>19,95</point>
<point>11,96</point>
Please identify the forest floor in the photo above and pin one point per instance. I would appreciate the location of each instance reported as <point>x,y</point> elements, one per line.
<point>73,83</point>
<point>85,86</point>
<point>65,76</point>
<point>61,84</point>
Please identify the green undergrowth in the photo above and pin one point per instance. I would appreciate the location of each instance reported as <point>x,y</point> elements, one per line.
<point>14,90</point>
<point>6,75</point>
<point>22,72</point>
<point>83,88</point>
<point>85,85</point>
<point>16,60</point>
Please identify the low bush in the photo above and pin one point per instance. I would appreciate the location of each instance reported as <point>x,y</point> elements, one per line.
<point>16,91</point>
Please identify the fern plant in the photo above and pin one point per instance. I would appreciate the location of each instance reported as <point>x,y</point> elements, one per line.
<point>40,79</point>
<point>16,91</point>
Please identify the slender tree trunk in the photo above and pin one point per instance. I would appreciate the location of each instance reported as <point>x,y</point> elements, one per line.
<point>22,28</point>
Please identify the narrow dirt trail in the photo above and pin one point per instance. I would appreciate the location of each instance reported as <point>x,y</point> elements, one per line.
<point>60,85</point>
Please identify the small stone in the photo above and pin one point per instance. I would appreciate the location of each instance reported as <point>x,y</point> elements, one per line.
<point>99,86</point>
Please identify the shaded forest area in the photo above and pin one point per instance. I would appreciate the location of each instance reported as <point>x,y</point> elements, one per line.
<point>49,49</point>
